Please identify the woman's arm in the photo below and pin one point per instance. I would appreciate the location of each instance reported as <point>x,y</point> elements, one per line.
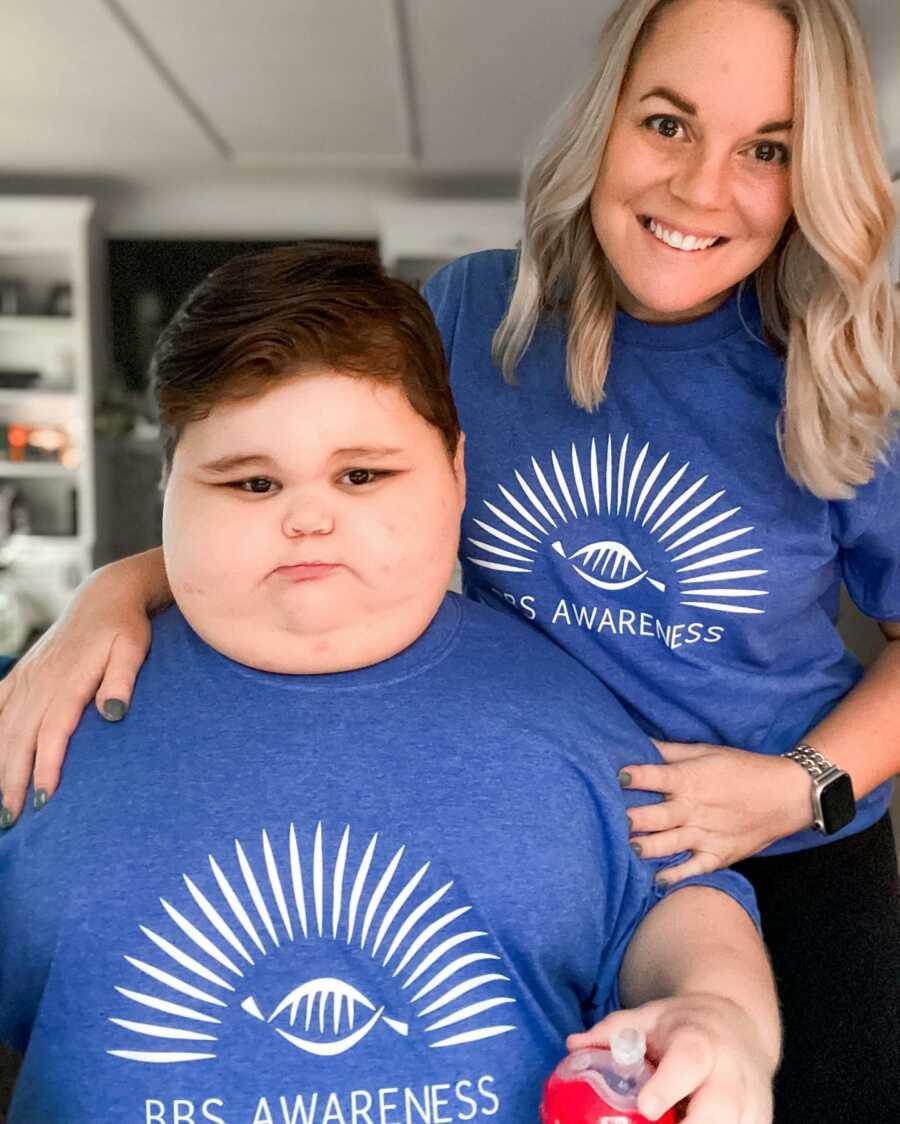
<point>95,649</point>
<point>724,803</point>
<point>698,983</point>
<point>862,733</point>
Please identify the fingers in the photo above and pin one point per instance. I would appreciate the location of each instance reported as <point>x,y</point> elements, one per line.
<point>686,1063</point>
<point>636,1018</point>
<point>700,862</point>
<point>113,695</point>
<point>681,751</point>
<point>661,844</point>
<point>663,816</point>
<point>649,778</point>
<point>722,1101</point>
<point>18,734</point>
<point>53,735</point>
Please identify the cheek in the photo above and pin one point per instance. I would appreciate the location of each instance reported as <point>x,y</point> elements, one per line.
<point>205,551</point>
<point>769,208</point>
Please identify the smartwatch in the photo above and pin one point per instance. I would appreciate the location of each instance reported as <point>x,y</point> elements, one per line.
<point>833,804</point>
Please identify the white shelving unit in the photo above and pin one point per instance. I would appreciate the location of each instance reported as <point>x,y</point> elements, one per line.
<point>49,253</point>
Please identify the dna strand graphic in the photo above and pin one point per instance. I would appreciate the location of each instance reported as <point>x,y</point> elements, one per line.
<point>612,558</point>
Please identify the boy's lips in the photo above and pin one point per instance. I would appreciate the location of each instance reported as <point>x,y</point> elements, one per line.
<point>307,571</point>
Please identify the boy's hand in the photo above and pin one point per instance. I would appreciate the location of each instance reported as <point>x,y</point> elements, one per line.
<point>94,650</point>
<point>706,1048</point>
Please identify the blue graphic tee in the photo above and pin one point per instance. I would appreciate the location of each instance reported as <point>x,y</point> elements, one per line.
<point>372,897</point>
<point>659,539</point>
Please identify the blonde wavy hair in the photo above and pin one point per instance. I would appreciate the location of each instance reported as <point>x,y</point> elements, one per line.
<point>825,290</point>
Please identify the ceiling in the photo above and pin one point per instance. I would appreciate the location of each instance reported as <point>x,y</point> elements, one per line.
<point>412,95</point>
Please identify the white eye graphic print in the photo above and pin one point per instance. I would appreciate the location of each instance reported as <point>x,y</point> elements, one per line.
<point>330,1005</point>
<point>439,973</point>
<point>706,551</point>
<point>612,557</point>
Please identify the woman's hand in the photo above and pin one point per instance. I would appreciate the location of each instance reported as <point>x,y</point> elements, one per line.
<point>95,649</point>
<point>707,1049</point>
<point>721,803</point>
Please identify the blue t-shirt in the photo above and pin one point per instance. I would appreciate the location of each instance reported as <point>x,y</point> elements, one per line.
<point>371,897</point>
<point>659,539</point>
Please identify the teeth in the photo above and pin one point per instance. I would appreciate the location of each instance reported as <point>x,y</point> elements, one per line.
<point>679,241</point>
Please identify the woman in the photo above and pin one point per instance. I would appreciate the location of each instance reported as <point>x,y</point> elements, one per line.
<point>695,449</point>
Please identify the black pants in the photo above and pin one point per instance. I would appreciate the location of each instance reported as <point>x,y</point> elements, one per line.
<point>831,919</point>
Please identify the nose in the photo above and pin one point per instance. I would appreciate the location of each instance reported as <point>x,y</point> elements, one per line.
<point>702,179</point>
<point>307,517</point>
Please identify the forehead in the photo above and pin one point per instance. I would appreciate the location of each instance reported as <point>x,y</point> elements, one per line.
<point>731,58</point>
<point>315,408</point>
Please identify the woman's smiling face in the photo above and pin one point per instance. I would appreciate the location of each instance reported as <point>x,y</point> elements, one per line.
<point>699,149</point>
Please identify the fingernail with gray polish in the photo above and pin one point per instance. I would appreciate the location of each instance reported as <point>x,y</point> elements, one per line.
<point>662,883</point>
<point>637,848</point>
<point>7,819</point>
<point>40,799</point>
<point>624,779</point>
<point>114,709</point>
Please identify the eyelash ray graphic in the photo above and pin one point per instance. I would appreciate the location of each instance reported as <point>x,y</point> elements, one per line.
<point>668,510</point>
<point>264,899</point>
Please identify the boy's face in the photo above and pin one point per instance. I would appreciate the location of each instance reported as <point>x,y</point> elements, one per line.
<point>313,528</point>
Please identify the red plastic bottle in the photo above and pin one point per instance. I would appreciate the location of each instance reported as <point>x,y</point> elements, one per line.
<point>601,1086</point>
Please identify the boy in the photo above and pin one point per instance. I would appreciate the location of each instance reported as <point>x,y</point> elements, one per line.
<point>359,853</point>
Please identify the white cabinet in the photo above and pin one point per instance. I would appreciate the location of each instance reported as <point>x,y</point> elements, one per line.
<point>417,237</point>
<point>51,348</point>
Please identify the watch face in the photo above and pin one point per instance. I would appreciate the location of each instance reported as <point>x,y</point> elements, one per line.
<point>838,805</point>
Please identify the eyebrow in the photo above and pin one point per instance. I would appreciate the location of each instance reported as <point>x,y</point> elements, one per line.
<point>239,460</point>
<point>230,463</point>
<point>367,451</point>
<point>690,109</point>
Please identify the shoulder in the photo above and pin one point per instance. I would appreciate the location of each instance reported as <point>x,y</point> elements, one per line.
<point>492,269</point>
<point>474,287</point>
<point>519,670</point>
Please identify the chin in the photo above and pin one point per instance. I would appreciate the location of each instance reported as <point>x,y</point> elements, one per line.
<point>674,301</point>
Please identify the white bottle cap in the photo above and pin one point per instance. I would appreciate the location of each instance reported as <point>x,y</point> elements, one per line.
<point>628,1047</point>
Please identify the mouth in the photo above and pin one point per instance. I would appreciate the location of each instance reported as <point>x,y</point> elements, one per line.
<point>679,241</point>
<point>308,571</point>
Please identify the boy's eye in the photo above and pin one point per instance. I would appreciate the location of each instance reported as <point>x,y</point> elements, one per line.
<point>666,127</point>
<point>258,485</point>
<point>360,476</point>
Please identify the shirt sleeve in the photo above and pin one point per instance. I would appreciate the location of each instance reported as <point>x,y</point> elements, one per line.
<point>638,891</point>
<point>867,532</point>
<point>443,293</point>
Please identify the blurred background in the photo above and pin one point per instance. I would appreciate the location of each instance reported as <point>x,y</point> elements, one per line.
<point>146,141</point>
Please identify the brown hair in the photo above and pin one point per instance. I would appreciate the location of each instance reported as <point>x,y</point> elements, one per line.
<point>264,317</point>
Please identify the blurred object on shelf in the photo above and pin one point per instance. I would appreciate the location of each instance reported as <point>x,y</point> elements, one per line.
<point>11,379</point>
<point>16,620</point>
<point>59,302</point>
<point>12,296</point>
<point>14,517</point>
<point>42,509</point>
<point>36,297</point>
<point>37,443</point>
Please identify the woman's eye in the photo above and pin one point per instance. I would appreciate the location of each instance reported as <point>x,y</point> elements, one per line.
<point>663,126</point>
<point>769,153</point>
